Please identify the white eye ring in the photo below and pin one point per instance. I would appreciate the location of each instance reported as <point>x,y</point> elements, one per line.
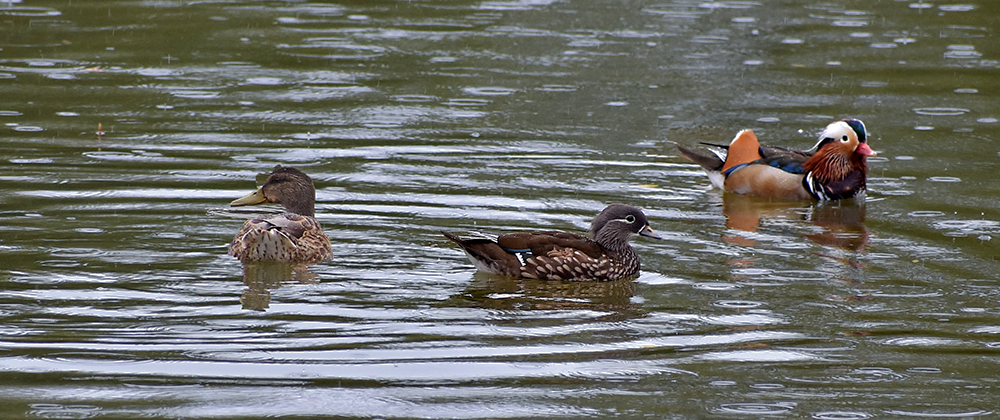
<point>630,218</point>
<point>844,139</point>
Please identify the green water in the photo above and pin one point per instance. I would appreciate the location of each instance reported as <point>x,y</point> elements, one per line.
<point>118,299</point>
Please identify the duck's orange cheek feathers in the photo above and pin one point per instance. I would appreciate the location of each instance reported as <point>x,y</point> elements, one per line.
<point>766,181</point>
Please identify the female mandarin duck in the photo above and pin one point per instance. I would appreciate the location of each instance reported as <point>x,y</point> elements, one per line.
<point>605,256</point>
<point>292,237</point>
<point>835,168</point>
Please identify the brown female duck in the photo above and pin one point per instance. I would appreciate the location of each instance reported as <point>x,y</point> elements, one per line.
<point>292,237</point>
<point>603,256</point>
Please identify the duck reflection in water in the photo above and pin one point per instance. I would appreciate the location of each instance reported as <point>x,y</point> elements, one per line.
<point>262,277</point>
<point>510,293</point>
<point>842,223</point>
<point>278,248</point>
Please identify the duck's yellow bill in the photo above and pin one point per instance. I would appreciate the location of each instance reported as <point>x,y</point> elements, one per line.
<point>255,197</point>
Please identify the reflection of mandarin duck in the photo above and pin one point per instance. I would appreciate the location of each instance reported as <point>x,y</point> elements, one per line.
<point>606,255</point>
<point>835,168</point>
<point>842,224</point>
<point>746,213</point>
<point>292,237</point>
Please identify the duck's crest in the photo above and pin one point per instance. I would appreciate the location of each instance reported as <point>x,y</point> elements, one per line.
<point>859,129</point>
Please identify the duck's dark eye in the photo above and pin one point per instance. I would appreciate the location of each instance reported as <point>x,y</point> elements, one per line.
<point>630,218</point>
<point>844,139</point>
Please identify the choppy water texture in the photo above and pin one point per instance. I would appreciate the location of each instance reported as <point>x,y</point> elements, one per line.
<point>118,299</point>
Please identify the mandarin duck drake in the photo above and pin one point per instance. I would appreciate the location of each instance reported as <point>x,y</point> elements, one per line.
<point>292,237</point>
<point>835,168</point>
<point>603,256</point>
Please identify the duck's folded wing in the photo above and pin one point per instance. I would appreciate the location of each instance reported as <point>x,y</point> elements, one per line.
<point>788,160</point>
<point>541,243</point>
<point>294,225</point>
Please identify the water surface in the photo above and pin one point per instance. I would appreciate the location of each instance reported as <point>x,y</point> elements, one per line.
<point>127,127</point>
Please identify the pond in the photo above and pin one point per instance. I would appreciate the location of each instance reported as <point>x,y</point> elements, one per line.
<point>127,127</point>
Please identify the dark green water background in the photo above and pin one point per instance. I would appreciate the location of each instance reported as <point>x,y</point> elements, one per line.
<point>117,298</point>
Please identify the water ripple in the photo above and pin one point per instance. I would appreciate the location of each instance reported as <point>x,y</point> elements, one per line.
<point>738,304</point>
<point>941,111</point>
<point>33,12</point>
<point>938,414</point>
<point>332,49</point>
<point>957,7</point>
<point>489,91</point>
<point>841,415</point>
<point>922,342</point>
<point>755,409</point>
<point>510,115</point>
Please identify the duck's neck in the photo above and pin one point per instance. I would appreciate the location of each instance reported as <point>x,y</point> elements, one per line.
<point>614,243</point>
<point>836,176</point>
<point>828,167</point>
<point>303,207</point>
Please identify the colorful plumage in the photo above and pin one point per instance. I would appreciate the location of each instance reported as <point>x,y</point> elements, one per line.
<point>835,168</point>
<point>292,237</point>
<point>603,256</point>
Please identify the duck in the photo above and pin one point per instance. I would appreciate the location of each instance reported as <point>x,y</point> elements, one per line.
<point>835,168</point>
<point>291,237</point>
<point>604,255</point>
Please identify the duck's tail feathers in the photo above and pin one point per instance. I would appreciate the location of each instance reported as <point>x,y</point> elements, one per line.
<point>471,236</point>
<point>709,163</point>
<point>712,164</point>
<point>721,146</point>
